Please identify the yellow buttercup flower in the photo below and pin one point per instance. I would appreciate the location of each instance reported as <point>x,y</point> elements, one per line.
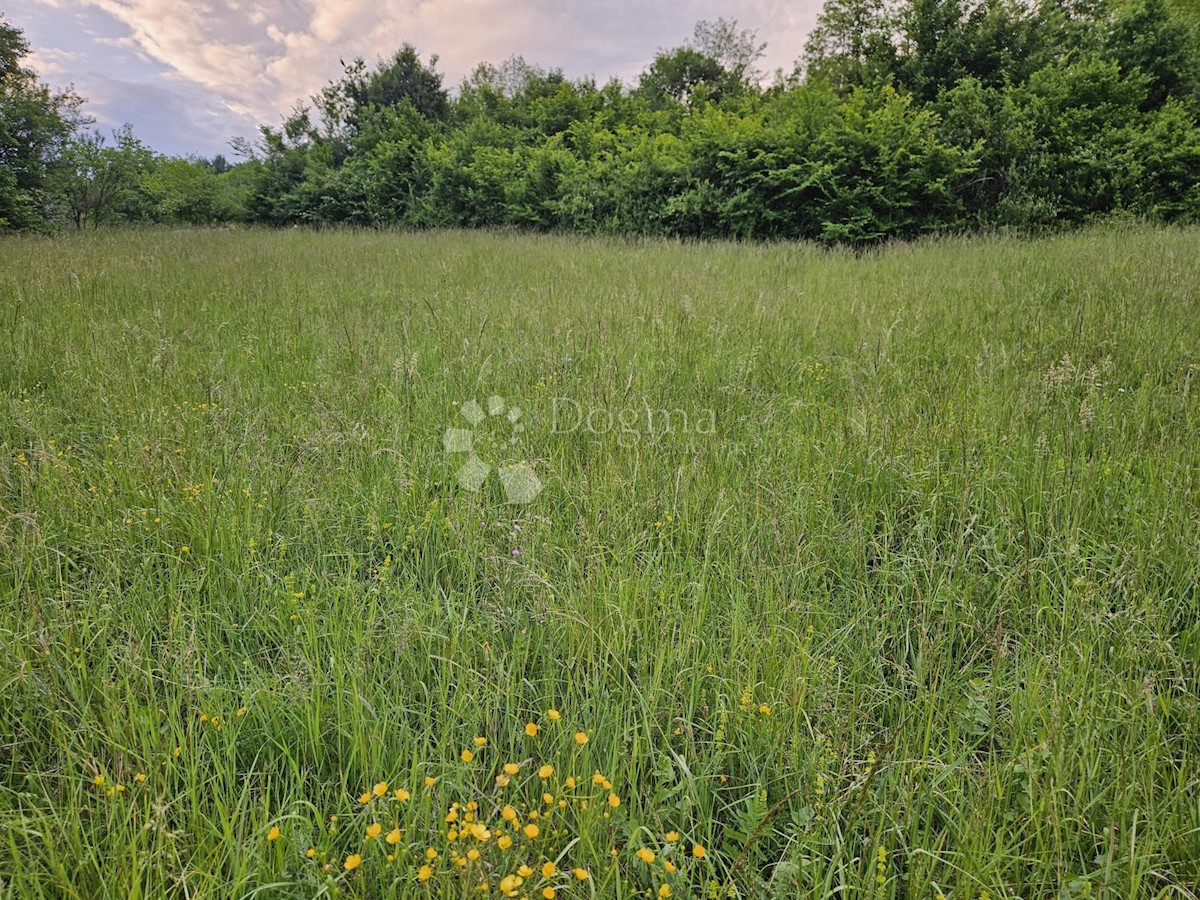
<point>511,768</point>
<point>548,869</point>
<point>466,756</point>
<point>570,782</point>
<point>581,874</point>
<point>504,842</point>
<point>581,738</point>
<point>401,794</point>
<point>553,715</point>
<point>672,837</point>
<point>531,831</point>
<point>365,798</point>
<point>98,781</point>
<point>273,834</point>
<point>480,741</point>
<point>380,788</point>
<point>545,771</point>
<point>698,851</point>
<point>524,871</point>
<point>353,861</point>
<point>473,854</point>
<point>424,873</point>
<point>646,855</point>
<point>549,893</point>
<point>765,710</point>
<point>310,852</point>
<point>508,814</point>
<point>669,866</point>
<point>664,891</point>
<point>614,801</point>
<point>430,781</point>
<point>374,830</point>
<point>531,729</point>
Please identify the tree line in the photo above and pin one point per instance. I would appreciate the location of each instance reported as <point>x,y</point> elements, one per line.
<point>900,119</point>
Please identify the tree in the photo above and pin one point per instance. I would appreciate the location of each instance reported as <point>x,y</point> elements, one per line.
<point>737,50</point>
<point>853,44</point>
<point>402,79</point>
<point>35,122</point>
<point>91,173</point>
<point>717,63</point>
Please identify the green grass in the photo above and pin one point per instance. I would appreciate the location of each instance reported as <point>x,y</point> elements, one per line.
<point>945,525</point>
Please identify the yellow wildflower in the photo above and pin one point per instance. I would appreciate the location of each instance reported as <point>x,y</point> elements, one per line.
<point>380,788</point>
<point>374,830</point>
<point>353,861</point>
<point>531,831</point>
<point>273,834</point>
<point>581,738</point>
<point>531,729</point>
<point>545,771</point>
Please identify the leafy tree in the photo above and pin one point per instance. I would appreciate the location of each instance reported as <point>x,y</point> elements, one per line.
<point>35,123</point>
<point>91,173</point>
<point>402,79</point>
<point>853,44</point>
<point>718,63</point>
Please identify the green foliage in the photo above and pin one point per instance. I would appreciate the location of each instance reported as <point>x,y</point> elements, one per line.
<point>92,175</point>
<point>35,123</point>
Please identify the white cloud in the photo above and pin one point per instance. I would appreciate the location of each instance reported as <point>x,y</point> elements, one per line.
<point>51,63</point>
<point>255,58</point>
<point>259,56</point>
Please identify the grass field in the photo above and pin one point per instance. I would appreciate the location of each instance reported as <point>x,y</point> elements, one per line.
<point>865,576</point>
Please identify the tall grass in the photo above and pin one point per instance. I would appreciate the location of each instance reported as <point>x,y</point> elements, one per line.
<point>916,616</point>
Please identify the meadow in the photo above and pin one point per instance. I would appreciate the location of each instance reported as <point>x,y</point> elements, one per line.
<point>844,575</point>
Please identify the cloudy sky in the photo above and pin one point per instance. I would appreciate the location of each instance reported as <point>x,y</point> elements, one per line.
<point>191,74</point>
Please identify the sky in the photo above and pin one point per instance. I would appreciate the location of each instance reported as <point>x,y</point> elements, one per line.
<point>189,75</point>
